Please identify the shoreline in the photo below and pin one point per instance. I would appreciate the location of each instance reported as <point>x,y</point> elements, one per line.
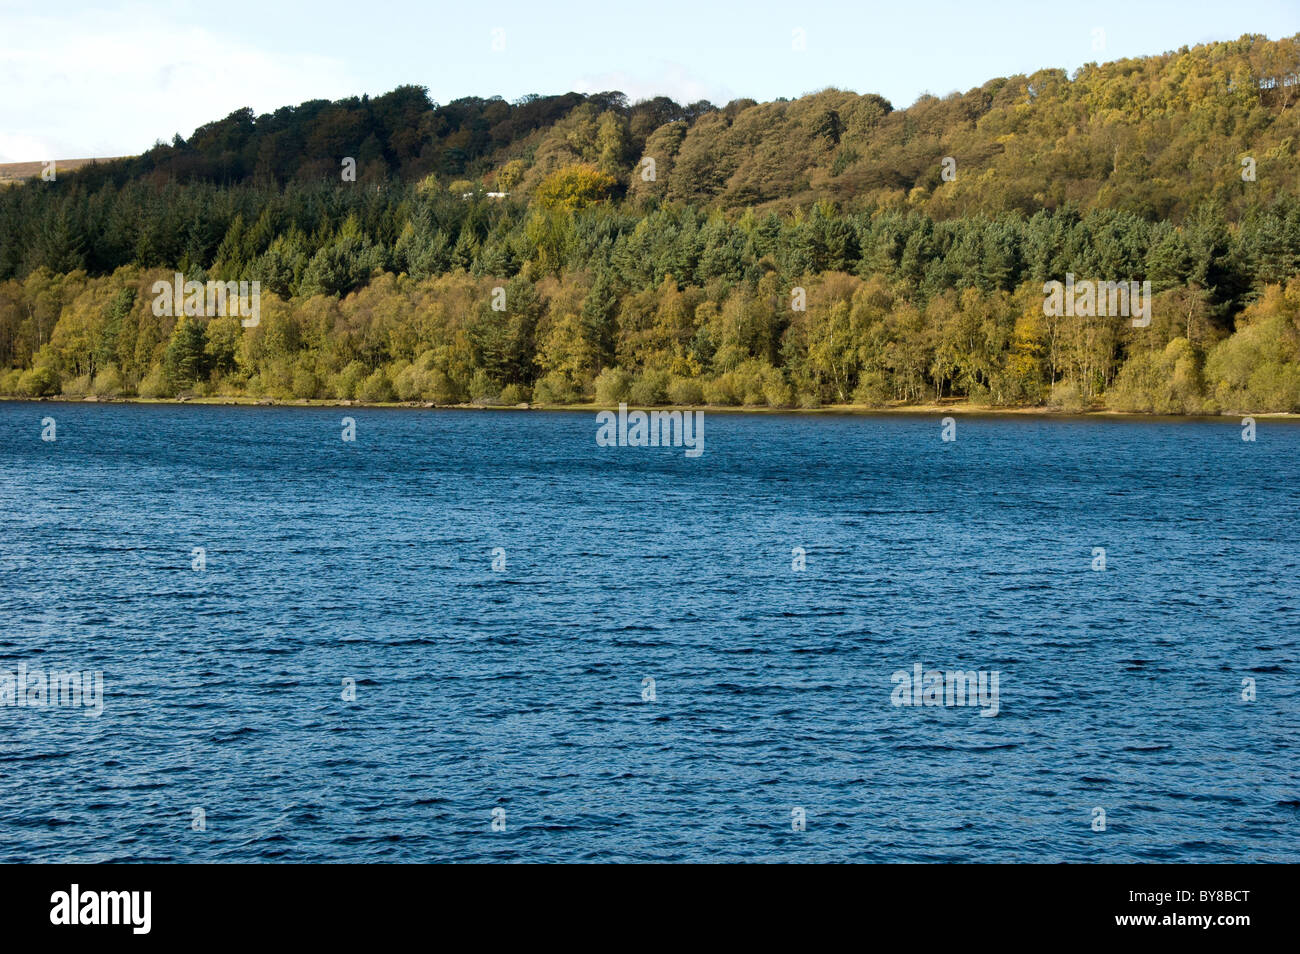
<point>855,410</point>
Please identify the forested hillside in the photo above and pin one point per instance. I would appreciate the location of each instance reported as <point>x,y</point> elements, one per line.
<point>826,249</point>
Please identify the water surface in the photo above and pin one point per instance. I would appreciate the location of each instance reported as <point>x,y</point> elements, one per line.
<point>521,688</point>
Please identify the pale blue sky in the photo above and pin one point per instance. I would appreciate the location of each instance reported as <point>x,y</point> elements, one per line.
<point>99,79</point>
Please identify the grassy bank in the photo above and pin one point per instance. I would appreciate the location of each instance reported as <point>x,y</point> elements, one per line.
<point>866,410</point>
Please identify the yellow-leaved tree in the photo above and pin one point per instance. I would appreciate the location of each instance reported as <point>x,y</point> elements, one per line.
<point>573,187</point>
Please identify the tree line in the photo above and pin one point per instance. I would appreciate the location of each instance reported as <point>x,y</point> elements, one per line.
<point>794,253</point>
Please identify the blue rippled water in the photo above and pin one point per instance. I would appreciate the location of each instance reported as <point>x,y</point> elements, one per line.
<point>522,688</point>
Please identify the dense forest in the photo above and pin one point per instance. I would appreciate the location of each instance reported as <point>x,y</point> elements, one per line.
<point>822,250</point>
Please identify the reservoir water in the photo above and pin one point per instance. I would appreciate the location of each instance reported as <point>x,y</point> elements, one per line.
<point>480,636</point>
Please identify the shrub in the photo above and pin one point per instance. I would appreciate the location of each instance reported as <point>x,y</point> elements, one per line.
<point>441,389</point>
<point>556,388</point>
<point>514,394</point>
<point>612,386</point>
<point>754,383</point>
<point>721,390</point>
<point>347,383</point>
<point>754,379</point>
<point>276,380</point>
<point>1067,396</point>
<point>77,387</point>
<point>685,391</point>
<point>650,388</point>
<point>482,389</point>
<point>872,389</point>
<point>410,382</point>
<point>377,388</point>
<point>779,394</point>
<point>305,383</point>
<point>155,384</point>
<point>39,382</point>
<point>1256,369</point>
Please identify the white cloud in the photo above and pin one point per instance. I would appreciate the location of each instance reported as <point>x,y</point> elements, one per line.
<point>104,86</point>
<point>671,80</point>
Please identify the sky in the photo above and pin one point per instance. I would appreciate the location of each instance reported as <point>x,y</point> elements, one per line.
<point>81,80</point>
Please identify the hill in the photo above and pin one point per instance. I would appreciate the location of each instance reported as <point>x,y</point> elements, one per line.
<point>817,250</point>
<point>12,173</point>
